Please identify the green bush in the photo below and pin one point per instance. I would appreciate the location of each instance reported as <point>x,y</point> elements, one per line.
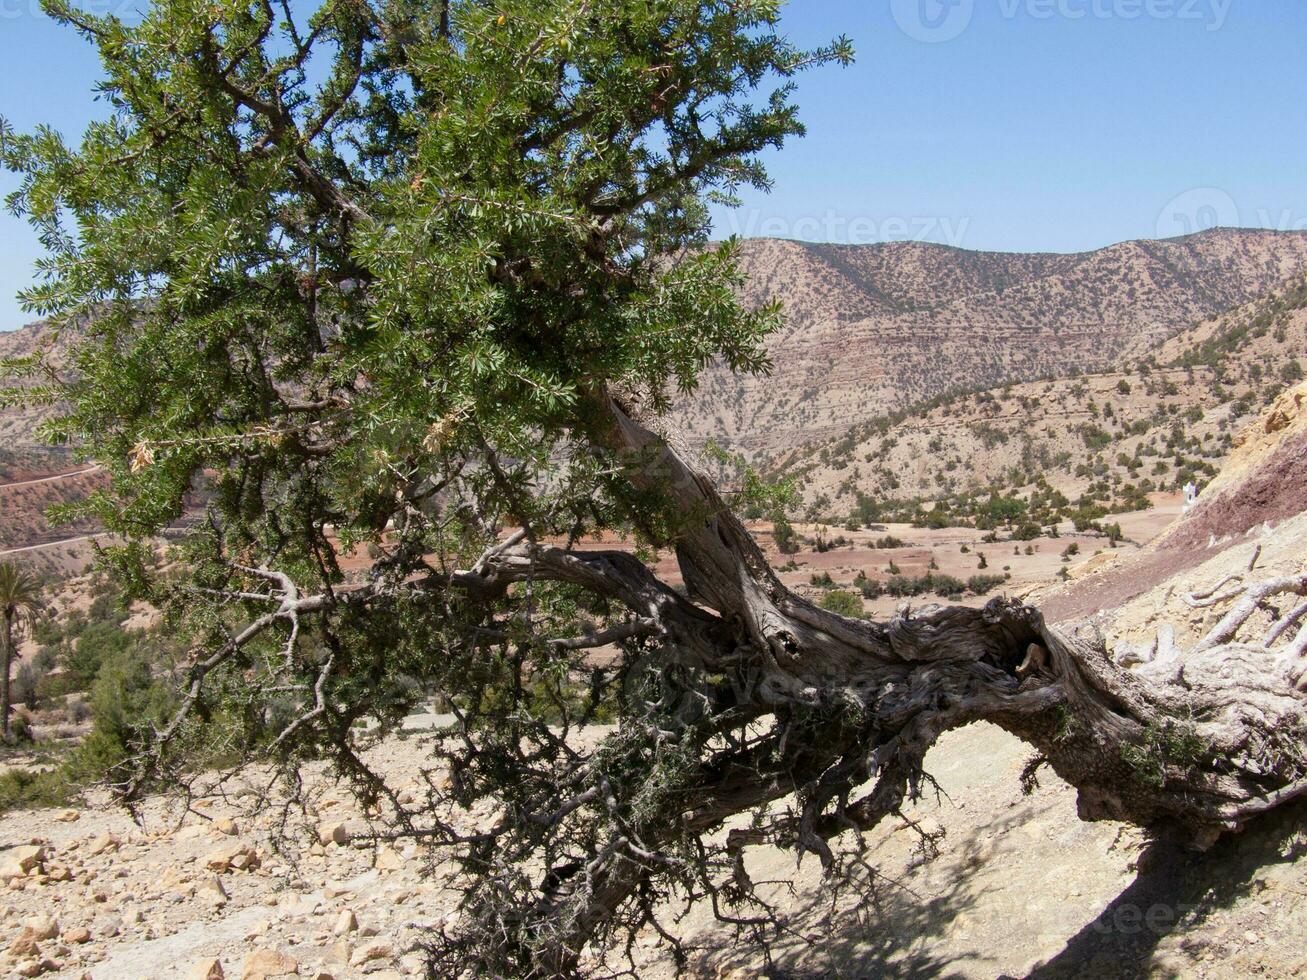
<point>124,698</point>
<point>783,534</point>
<point>97,643</point>
<point>984,584</point>
<point>842,602</point>
<point>21,788</point>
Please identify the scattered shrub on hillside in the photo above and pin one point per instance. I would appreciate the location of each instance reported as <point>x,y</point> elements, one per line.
<point>787,541</point>
<point>843,603</point>
<point>984,584</point>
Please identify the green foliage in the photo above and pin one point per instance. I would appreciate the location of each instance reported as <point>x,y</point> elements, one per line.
<point>1166,743</point>
<point>23,788</point>
<point>752,495</point>
<point>126,700</point>
<point>984,584</point>
<point>1027,532</point>
<point>96,644</point>
<point>900,586</point>
<point>842,602</point>
<point>331,295</point>
<point>1095,437</point>
<point>786,538</point>
<point>385,280</point>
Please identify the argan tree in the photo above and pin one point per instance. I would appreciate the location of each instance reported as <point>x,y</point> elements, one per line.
<point>398,291</point>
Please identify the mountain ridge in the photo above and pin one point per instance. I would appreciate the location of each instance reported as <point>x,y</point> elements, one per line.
<point>919,319</point>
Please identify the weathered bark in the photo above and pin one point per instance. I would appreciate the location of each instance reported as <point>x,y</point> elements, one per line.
<point>1192,748</point>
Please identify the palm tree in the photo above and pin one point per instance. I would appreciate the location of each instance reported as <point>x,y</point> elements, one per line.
<point>20,600</point>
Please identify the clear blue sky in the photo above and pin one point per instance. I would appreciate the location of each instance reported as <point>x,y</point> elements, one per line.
<point>1055,125</point>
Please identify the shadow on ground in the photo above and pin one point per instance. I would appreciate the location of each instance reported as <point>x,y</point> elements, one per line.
<point>891,931</point>
<point>878,926</point>
<point>1176,892</point>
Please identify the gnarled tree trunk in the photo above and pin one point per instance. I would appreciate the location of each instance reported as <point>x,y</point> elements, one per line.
<point>1192,747</point>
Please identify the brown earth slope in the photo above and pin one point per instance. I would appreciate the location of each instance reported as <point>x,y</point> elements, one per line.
<point>880,326</point>
<point>1156,422</point>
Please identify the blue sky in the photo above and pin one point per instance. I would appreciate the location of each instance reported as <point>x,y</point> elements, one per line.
<point>1055,125</point>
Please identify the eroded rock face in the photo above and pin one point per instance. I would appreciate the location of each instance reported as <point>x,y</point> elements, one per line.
<point>872,327</point>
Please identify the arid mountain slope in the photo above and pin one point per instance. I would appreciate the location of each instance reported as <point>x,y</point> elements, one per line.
<point>1164,418</point>
<point>872,328</point>
<point>18,423</point>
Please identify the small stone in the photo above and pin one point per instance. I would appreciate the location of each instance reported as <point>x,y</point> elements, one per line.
<point>108,927</point>
<point>209,968</point>
<point>25,946</point>
<point>258,930</point>
<point>212,892</point>
<point>379,950</point>
<point>42,927</point>
<point>263,964</point>
<point>77,935</point>
<point>37,967</point>
<point>300,904</point>
<point>22,860</point>
<point>388,860</point>
<point>226,825</point>
<point>103,844</point>
<point>346,922</point>
<point>68,816</point>
<point>334,832</point>
<point>414,964</point>
<point>235,855</point>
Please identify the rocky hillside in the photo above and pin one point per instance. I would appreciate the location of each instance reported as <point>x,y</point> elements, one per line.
<point>1164,418</point>
<point>873,328</point>
<point>18,424</point>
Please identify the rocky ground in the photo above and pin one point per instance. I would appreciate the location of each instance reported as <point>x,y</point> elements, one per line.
<point>217,891</point>
<point>1013,885</point>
